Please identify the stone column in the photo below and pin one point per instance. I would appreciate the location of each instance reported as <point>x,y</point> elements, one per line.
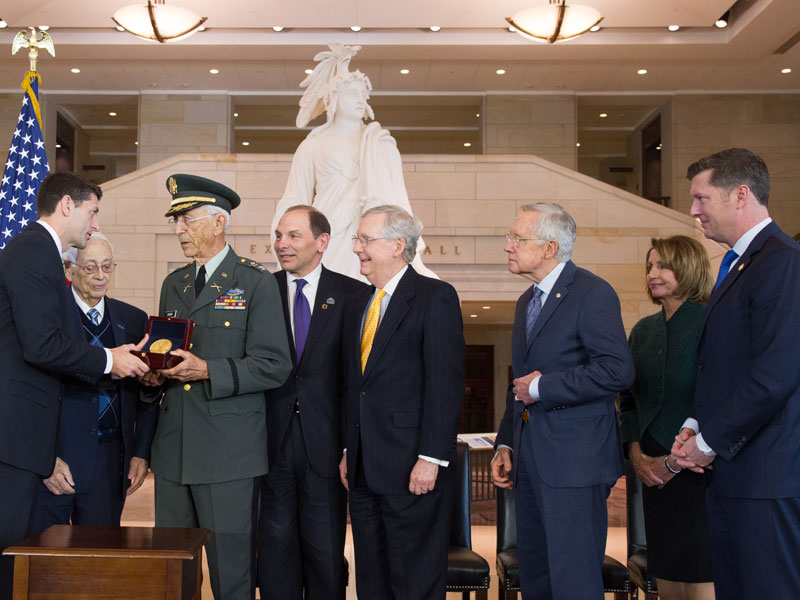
<point>170,124</point>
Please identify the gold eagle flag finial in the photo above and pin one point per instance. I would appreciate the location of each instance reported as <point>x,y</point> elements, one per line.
<point>34,41</point>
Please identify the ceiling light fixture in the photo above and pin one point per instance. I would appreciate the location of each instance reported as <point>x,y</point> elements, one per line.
<point>355,28</point>
<point>434,28</point>
<point>555,21</point>
<point>235,115</point>
<point>308,71</point>
<point>3,23</point>
<point>786,71</point>
<point>641,72</point>
<point>594,28</point>
<point>245,143</point>
<point>577,144</point>
<point>44,27</point>
<point>512,30</point>
<point>75,70</point>
<point>473,316</point>
<point>158,22</point>
<point>501,71</point>
<point>722,22</point>
<point>214,71</point>
<point>674,27</point>
<point>603,115</point>
<point>467,144</point>
<point>486,307</point>
<point>404,71</point>
<point>112,114</point>
<point>277,28</point>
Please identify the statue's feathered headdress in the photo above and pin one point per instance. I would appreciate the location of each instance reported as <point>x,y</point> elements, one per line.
<point>322,82</point>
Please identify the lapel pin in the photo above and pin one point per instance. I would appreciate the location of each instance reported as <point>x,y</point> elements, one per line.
<point>558,294</point>
<point>741,266</point>
<point>216,287</point>
<point>188,285</point>
<point>186,276</point>
<point>324,307</point>
<point>224,274</point>
<point>330,301</point>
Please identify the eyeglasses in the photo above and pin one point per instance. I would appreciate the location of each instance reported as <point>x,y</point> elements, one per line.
<point>92,267</point>
<point>366,241</point>
<point>515,239</point>
<point>183,221</point>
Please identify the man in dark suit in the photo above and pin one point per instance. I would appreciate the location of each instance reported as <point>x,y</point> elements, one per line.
<point>570,356</point>
<point>747,401</point>
<point>36,348</point>
<point>404,385</point>
<point>210,447</point>
<point>303,504</point>
<point>104,431</point>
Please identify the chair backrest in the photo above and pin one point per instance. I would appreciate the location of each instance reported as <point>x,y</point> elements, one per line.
<point>460,526</point>
<point>506,520</point>
<point>636,535</point>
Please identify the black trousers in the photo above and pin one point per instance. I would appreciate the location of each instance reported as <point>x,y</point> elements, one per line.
<point>17,500</point>
<point>301,527</point>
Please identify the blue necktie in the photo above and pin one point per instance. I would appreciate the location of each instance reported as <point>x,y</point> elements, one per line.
<point>104,399</point>
<point>302,318</point>
<point>725,266</point>
<point>534,308</point>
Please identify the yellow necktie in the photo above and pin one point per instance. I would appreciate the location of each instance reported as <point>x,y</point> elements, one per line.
<point>370,327</point>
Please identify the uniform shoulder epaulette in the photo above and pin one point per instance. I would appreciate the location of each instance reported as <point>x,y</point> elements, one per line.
<point>252,264</point>
<point>189,264</point>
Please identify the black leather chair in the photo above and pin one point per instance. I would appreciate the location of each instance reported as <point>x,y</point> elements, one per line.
<point>616,578</point>
<point>637,543</point>
<point>467,571</point>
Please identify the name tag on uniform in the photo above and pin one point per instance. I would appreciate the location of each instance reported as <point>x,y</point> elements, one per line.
<point>231,300</point>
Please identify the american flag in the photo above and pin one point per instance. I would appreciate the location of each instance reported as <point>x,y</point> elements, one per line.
<point>25,167</point>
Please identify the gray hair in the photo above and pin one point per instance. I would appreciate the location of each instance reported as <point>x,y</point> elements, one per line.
<point>398,224</point>
<point>216,210</point>
<point>555,223</point>
<point>71,255</point>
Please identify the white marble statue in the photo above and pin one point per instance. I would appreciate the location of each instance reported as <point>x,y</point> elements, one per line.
<point>344,166</point>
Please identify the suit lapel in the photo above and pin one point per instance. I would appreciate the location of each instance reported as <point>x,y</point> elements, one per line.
<point>554,300</point>
<point>518,342</point>
<point>740,267</point>
<point>281,277</point>
<point>398,307</point>
<point>117,326</point>
<point>184,290</point>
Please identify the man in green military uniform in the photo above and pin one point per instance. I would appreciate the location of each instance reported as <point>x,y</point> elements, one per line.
<point>211,442</point>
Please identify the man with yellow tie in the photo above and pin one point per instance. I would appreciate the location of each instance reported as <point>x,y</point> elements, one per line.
<point>404,384</point>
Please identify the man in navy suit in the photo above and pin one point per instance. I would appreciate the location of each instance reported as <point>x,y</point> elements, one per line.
<point>404,385</point>
<point>747,401</point>
<point>36,348</point>
<point>303,504</point>
<point>104,430</point>
<point>558,439</point>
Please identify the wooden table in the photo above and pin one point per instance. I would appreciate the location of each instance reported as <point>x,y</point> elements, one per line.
<point>76,562</point>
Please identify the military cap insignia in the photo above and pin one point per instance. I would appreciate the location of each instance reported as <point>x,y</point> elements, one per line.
<point>172,185</point>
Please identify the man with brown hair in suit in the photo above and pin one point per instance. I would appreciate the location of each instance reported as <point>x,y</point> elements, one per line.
<point>303,505</point>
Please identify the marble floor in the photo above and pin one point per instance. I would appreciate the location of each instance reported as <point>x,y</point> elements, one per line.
<point>139,512</point>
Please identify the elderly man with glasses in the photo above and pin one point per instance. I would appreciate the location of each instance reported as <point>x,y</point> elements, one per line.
<point>210,446</point>
<point>104,430</point>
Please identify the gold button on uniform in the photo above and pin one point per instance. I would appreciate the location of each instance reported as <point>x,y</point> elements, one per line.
<point>227,323</point>
<point>187,387</point>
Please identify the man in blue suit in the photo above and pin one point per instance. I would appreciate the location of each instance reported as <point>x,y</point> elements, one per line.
<point>558,439</point>
<point>303,504</point>
<point>104,430</point>
<point>747,401</point>
<point>404,385</point>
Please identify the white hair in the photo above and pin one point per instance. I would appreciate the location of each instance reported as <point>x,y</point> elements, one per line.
<point>399,223</point>
<point>216,210</point>
<point>555,223</point>
<point>71,255</point>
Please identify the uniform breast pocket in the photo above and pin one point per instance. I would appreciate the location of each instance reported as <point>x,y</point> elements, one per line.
<point>226,334</point>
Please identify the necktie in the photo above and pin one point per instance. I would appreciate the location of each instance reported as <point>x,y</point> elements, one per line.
<point>200,281</point>
<point>302,318</point>
<point>725,266</point>
<point>370,327</point>
<point>534,308</point>
<point>106,415</point>
<point>94,315</point>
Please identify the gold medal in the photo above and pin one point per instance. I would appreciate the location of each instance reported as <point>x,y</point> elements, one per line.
<point>161,346</point>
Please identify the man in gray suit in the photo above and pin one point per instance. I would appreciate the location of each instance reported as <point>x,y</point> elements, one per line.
<point>210,446</point>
